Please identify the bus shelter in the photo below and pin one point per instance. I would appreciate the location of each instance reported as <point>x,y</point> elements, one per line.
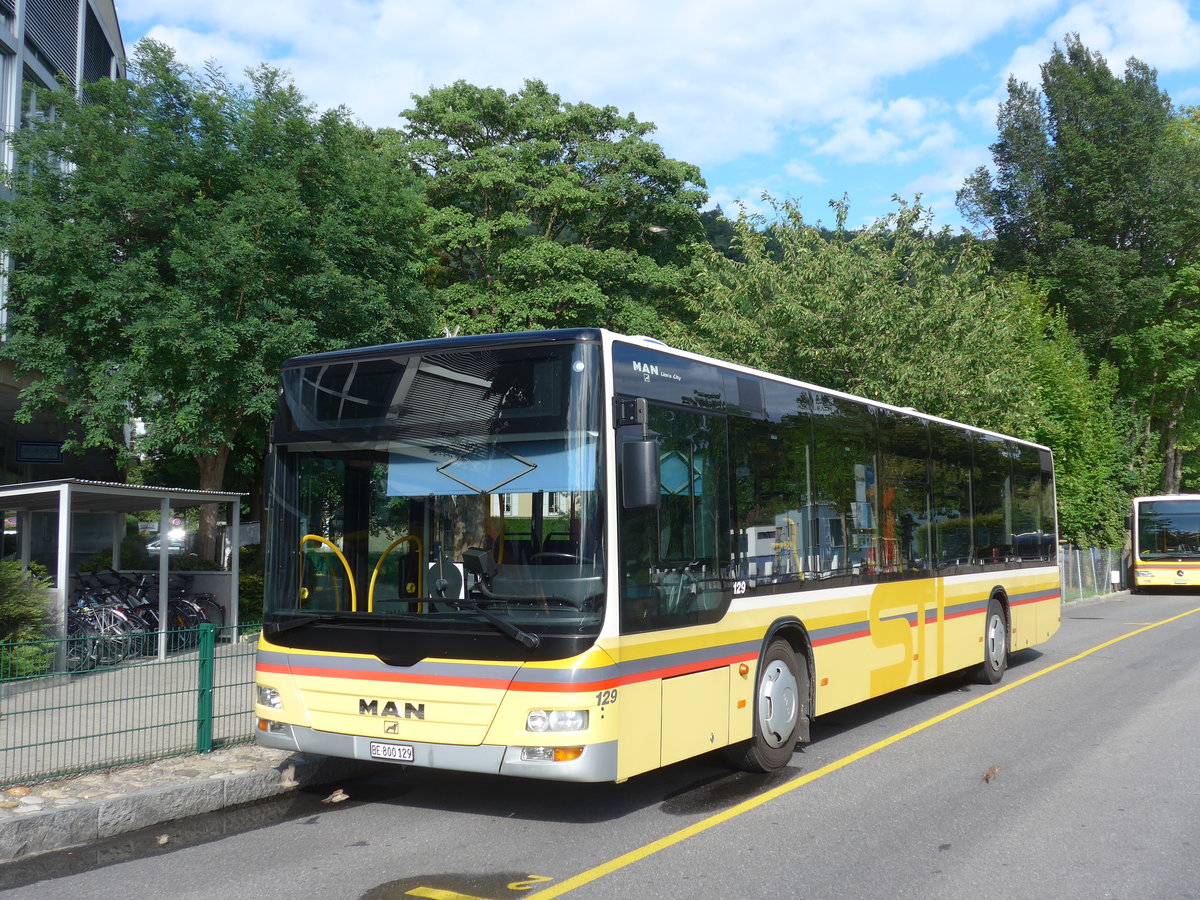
<point>69,496</point>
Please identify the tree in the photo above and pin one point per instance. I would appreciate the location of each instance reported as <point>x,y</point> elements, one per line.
<point>1168,353</point>
<point>1095,193</point>
<point>1080,416</point>
<point>906,315</point>
<point>1076,190</point>
<point>177,237</point>
<point>868,312</point>
<point>547,213</point>
<point>26,615</point>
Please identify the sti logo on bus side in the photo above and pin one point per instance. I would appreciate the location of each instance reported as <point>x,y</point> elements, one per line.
<point>371,708</point>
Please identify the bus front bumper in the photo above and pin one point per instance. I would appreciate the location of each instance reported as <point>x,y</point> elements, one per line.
<point>598,762</point>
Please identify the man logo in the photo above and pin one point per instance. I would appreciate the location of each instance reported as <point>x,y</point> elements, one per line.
<point>371,708</point>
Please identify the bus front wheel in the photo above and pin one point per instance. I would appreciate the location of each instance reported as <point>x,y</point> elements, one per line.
<point>995,644</point>
<point>780,698</point>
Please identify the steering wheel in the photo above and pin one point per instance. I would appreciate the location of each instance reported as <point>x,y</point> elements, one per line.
<point>550,555</point>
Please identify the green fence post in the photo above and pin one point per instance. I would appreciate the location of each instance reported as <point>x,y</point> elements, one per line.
<point>204,689</point>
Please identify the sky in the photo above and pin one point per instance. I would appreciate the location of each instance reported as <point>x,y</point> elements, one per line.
<point>809,100</point>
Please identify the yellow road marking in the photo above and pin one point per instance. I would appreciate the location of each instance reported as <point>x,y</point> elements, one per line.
<point>437,894</point>
<point>529,882</point>
<point>678,837</point>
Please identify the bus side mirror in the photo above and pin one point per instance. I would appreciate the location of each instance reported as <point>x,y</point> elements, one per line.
<point>639,474</point>
<point>1128,523</point>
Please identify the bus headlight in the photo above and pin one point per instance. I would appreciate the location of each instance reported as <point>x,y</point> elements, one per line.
<point>540,720</point>
<point>269,697</point>
<point>551,754</point>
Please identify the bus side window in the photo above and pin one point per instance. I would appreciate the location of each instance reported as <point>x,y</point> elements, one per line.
<point>674,557</point>
<point>904,502</point>
<point>992,492</point>
<point>1029,534</point>
<point>770,471</point>
<point>843,497</point>
<point>952,521</point>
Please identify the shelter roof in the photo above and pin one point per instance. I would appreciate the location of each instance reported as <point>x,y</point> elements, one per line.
<point>103,496</point>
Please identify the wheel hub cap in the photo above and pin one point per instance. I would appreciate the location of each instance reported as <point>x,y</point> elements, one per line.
<point>778,703</point>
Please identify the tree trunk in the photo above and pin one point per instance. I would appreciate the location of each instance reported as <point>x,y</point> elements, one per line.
<point>1173,462</point>
<point>257,499</point>
<point>1172,471</point>
<point>212,478</point>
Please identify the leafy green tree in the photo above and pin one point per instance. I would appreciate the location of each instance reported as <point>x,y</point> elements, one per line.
<point>718,231</point>
<point>1095,193</point>
<point>1077,187</point>
<point>547,213</point>
<point>869,312</point>
<point>1167,352</point>
<point>906,315</point>
<point>1080,416</point>
<point>177,237</point>
<point>26,617</point>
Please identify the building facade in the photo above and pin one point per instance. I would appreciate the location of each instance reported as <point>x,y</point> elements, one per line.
<point>41,42</point>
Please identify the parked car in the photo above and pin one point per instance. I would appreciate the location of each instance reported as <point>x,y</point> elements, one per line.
<point>176,544</point>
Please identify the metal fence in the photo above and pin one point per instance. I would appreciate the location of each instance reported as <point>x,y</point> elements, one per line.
<point>56,724</point>
<point>1091,571</point>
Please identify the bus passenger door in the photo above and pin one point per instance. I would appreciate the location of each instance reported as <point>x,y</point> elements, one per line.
<point>673,573</point>
<point>904,616</point>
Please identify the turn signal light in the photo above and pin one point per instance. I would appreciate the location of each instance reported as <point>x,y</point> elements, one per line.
<point>551,754</point>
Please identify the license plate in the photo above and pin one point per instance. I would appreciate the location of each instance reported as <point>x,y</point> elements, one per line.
<point>391,752</point>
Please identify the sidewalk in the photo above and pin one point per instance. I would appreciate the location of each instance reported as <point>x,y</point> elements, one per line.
<point>67,812</point>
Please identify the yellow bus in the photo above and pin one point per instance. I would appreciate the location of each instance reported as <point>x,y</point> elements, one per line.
<point>580,556</point>
<point>1165,539</point>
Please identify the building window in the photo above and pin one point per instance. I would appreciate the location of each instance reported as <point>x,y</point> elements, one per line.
<point>51,28</point>
<point>97,54</point>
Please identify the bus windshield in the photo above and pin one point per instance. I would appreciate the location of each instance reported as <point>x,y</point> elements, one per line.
<point>452,491</point>
<point>1169,529</point>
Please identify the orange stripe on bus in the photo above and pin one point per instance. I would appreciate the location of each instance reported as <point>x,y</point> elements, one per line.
<point>498,684</point>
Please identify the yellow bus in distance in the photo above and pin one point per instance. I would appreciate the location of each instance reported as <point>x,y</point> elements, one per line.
<point>581,556</point>
<point>1165,540</point>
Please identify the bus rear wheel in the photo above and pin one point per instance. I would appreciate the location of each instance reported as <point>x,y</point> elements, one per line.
<point>995,644</point>
<point>780,698</point>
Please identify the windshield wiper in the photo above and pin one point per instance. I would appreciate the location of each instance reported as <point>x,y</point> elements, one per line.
<point>272,628</point>
<point>524,638</point>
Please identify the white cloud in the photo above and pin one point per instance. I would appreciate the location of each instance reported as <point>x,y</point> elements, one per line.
<point>804,172</point>
<point>1158,30</point>
<point>940,140</point>
<point>1161,33</point>
<point>762,94</point>
<point>979,109</point>
<point>718,79</point>
<point>1187,97</point>
<point>195,48</point>
<point>909,114</point>
<point>858,142</point>
<point>954,167</point>
<point>734,200</point>
<point>899,131</point>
